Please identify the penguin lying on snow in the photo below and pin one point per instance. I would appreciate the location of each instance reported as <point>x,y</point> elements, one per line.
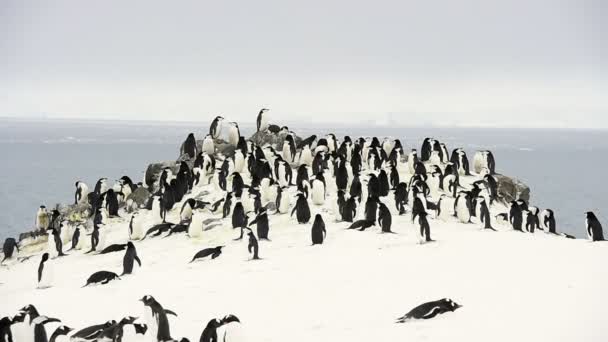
<point>214,252</point>
<point>90,332</point>
<point>430,310</point>
<point>101,277</point>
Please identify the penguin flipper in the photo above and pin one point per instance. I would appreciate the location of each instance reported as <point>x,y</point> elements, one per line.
<point>169,312</point>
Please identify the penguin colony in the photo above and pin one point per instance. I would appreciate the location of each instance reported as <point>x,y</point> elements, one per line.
<point>368,181</point>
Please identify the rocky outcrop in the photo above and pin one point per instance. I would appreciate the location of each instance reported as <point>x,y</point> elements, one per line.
<point>267,137</point>
<point>511,189</point>
<point>155,169</point>
<point>221,147</point>
<point>140,196</point>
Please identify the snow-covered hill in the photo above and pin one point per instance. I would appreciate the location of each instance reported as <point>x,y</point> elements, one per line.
<point>513,286</point>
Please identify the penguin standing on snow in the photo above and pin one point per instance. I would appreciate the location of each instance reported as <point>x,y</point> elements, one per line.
<point>516,216</point>
<point>425,228</point>
<point>318,231</point>
<point>262,120</point>
<point>55,245</point>
<point>36,321</point>
<point>594,227</point>
<point>215,128</point>
<point>318,189</point>
<point>548,221</point>
<point>45,272</point>
<point>462,207</point>
<point>129,259</point>
<point>253,246</point>
<point>301,209</point>
<point>532,219</point>
<point>8,248</point>
<point>157,321</point>
<point>282,200</point>
<point>401,197</point>
<point>261,222</point>
<point>484,213</point>
<point>384,218</point>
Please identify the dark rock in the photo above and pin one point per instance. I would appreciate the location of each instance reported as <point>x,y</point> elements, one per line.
<point>140,196</point>
<point>155,169</point>
<point>267,137</point>
<point>512,189</point>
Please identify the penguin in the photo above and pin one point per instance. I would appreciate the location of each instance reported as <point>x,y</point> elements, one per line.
<point>6,334</point>
<point>462,207</point>
<point>371,209</point>
<point>361,224</point>
<point>129,258</point>
<point>515,216</point>
<point>186,211</point>
<point>189,147</point>
<point>215,128</point>
<point>425,150</point>
<point>55,245</point>
<point>261,222</point>
<point>233,134</point>
<point>301,209</point>
<point>130,333</point>
<point>289,149</point>
<point>62,330</point>
<point>156,318</point>
<point>594,227</point>
<point>384,183</point>
<point>213,252</point>
<point>282,201</point>
<point>349,211</point>
<point>262,120</point>
<point>45,272</point>
<point>373,186</point>
<point>136,229</point>
<point>401,197</point>
<point>101,277</point>
<point>306,156</point>
<point>117,247</point>
<point>308,141</point>
<point>532,219</point>
<point>384,218</point>
<point>430,310</point>
<point>412,160</point>
<point>450,184</point>
<point>208,145</point>
<point>548,221</point>
<point>484,213</point>
<point>484,159</point>
<point>210,333</point>
<point>239,218</point>
<point>35,321</point>
<point>42,218</point>
<point>92,331</point>
<point>8,248</point>
<point>111,203</point>
<point>318,232</point>
<point>425,228</point>
<point>253,247</point>
<point>81,192</point>
<point>318,190</point>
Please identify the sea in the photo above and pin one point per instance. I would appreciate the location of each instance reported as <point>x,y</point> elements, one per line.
<point>41,159</point>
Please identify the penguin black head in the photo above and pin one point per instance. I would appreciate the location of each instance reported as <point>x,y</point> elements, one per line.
<point>590,215</point>
<point>130,245</point>
<point>148,300</point>
<point>45,257</point>
<point>62,330</point>
<point>128,320</point>
<point>450,304</point>
<point>229,319</point>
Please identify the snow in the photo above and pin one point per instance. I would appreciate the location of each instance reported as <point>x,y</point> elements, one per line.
<point>512,285</point>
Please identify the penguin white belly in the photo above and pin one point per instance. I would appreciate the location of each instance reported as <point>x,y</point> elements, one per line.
<point>435,159</point>
<point>318,192</point>
<point>233,136</point>
<point>271,194</point>
<point>433,183</point>
<point>306,157</point>
<point>186,214</point>
<point>23,331</point>
<point>446,206</point>
<point>287,153</point>
<point>478,162</point>
<point>102,239</point>
<point>208,146</point>
<point>462,212</point>
<point>195,230</point>
<point>138,229</point>
<point>50,246</point>
<point>239,162</point>
<point>46,280</point>
<point>151,334</point>
<point>232,332</point>
<point>248,204</point>
<point>282,176</point>
<point>410,165</point>
<point>284,204</point>
<point>66,233</point>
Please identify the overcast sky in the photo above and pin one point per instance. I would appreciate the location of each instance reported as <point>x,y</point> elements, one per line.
<point>512,63</point>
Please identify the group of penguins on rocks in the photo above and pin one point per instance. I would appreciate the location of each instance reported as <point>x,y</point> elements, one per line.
<point>363,178</point>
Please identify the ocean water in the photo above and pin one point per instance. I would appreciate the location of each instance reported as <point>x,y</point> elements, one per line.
<point>41,160</point>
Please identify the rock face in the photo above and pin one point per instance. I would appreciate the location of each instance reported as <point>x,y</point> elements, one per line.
<point>511,189</point>
<point>139,196</point>
<point>154,170</point>
<point>267,137</point>
<point>221,146</point>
